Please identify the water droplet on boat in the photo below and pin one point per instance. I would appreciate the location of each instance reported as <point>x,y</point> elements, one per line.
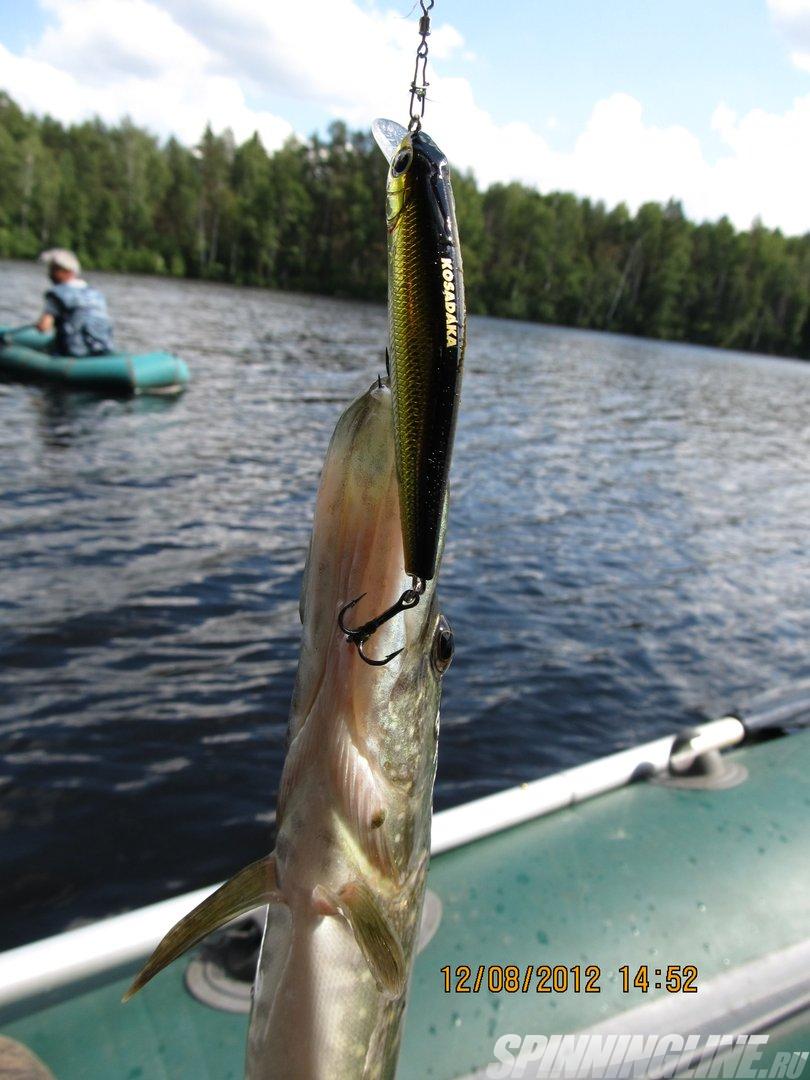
<point>542,937</point>
<point>701,906</point>
<point>456,1020</point>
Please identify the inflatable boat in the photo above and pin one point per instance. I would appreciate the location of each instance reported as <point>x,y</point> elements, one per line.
<point>25,356</point>
<point>653,901</point>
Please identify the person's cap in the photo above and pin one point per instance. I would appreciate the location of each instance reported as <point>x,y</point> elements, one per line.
<point>66,260</point>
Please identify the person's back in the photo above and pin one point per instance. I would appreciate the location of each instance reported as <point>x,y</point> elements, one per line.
<point>76,311</point>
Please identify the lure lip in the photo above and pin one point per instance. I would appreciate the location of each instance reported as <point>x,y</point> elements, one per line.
<point>388,135</point>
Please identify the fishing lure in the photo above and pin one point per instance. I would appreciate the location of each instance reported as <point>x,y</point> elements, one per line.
<point>427,331</point>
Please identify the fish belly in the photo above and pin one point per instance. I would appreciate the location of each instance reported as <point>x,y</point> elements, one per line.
<point>315,1005</point>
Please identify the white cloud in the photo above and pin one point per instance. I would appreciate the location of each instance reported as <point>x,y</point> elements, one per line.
<point>328,51</point>
<point>620,157</point>
<point>174,65</point>
<point>634,161</point>
<point>766,167</point>
<point>100,41</point>
<point>112,58</point>
<point>792,17</point>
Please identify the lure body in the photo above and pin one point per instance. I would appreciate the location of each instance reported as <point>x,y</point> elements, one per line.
<point>427,332</point>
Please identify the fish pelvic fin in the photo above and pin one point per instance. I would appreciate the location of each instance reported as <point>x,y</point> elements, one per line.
<point>257,884</point>
<point>375,937</point>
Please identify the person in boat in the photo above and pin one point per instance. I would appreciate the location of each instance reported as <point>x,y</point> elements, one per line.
<point>73,309</point>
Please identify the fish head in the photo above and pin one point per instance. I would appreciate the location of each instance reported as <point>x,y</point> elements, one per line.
<point>356,550</point>
<point>419,173</point>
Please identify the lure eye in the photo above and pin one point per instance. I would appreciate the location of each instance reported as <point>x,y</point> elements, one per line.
<point>401,162</point>
<point>443,646</point>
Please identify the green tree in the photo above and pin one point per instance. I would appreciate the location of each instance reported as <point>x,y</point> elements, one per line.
<point>310,216</point>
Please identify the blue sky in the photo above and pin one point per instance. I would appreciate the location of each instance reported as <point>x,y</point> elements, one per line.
<point>679,58</point>
<point>620,100</point>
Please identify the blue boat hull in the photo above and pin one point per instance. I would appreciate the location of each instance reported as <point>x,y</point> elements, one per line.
<point>25,357</point>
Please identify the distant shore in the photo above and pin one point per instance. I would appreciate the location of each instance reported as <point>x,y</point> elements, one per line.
<point>310,218</point>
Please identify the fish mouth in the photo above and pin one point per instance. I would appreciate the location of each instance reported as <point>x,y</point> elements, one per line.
<point>356,549</point>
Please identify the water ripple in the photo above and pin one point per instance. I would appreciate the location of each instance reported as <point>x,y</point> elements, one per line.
<point>626,554</point>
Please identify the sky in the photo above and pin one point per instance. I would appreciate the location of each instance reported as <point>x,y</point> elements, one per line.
<point>619,100</point>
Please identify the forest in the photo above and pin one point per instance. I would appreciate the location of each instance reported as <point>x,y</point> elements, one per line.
<point>310,217</point>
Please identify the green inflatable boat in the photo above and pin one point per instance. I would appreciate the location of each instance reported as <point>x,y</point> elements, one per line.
<point>648,907</point>
<point>25,356</point>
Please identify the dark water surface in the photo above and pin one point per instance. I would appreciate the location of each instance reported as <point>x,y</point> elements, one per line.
<point>627,552</point>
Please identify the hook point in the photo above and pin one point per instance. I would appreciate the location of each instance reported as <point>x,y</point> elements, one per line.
<point>377,663</point>
<point>342,612</point>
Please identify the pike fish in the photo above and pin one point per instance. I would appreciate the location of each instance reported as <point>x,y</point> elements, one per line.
<point>346,881</point>
<point>427,332</point>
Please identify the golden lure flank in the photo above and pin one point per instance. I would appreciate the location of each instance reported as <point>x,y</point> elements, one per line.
<point>346,881</point>
<point>426,333</point>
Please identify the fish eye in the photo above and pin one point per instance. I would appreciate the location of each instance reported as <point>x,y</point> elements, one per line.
<point>443,646</point>
<point>401,162</point>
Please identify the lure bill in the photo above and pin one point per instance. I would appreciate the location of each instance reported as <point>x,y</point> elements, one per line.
<point>345,884</point>
<point>427,331</point>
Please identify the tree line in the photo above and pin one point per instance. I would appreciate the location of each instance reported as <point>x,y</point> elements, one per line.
<point>309,217</point>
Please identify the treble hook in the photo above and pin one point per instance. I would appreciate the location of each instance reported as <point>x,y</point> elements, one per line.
<point>360,635</point>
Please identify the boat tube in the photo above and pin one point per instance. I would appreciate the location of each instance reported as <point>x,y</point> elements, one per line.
<point>25,356</point>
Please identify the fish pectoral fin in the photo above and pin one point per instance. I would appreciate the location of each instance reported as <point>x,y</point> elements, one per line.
<point>250,888</point>
<point>376,938</point>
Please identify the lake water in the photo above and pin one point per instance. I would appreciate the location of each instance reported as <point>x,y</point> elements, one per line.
<point>627,553</point>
